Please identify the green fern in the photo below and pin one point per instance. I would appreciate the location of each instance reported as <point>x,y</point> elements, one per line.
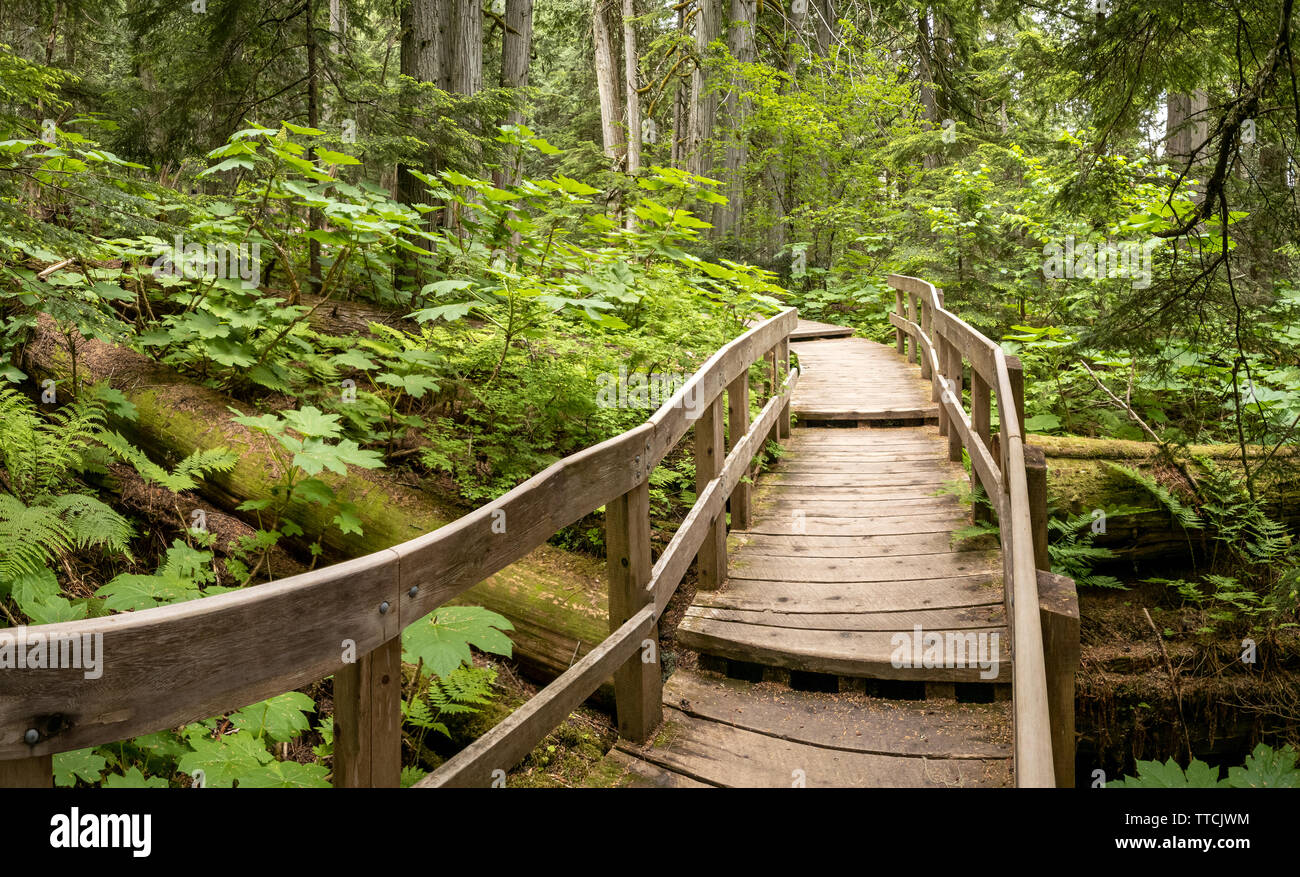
<point>187,473</point>
<point>1185,515</point>
<point>32,536</point>
<point>1073,553</point>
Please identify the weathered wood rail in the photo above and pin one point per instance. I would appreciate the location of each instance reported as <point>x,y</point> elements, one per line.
<point>1041,608</point>
<point>175,664</point>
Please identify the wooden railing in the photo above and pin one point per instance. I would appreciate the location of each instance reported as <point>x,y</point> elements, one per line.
<point>1014,478</point>
<point>176,664</point>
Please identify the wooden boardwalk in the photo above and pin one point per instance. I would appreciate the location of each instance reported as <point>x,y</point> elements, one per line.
<point>850,544</point>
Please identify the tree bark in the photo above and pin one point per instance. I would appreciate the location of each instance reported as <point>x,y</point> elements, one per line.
<point>516,49</point>
<point>465,75</point>
<point>313,119</point>
<point>734,111</point>
<point>824,26</point>
<point>607,81</point>
<point>704,105</point>
<point>631,86</point>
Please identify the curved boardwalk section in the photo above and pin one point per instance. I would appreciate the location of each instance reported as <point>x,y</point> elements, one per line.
<point>850,548</point>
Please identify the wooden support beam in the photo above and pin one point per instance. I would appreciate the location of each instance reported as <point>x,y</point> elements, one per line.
<point>1036,478</point>
<point>954,371</point>
<point>940,380</point>
<point>773,386</point>
<point>638,684</point>
<point>980,422</point>
<point>1016,373</point>
<point>783,421</point>
<point>368,720</point>
<point>711,560</point>
<point>741,501</point>
<point>927,327</point>
<point>912,315</point>
<point>27,773</point>
<point>1058,609</point>
<point>899,335</point>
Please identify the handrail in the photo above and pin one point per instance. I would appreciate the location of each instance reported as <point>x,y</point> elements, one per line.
<point>175,664</point>
<point>1004,480</point>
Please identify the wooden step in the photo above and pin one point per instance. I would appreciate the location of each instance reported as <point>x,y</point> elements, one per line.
<point>735,735</point>
<point>865,653</point>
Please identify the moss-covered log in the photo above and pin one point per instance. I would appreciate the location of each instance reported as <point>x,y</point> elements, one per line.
<point>556,599</point>
<point>1079,481</point>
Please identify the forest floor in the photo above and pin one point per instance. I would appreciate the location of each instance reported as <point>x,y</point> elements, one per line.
<point>1134,700</point>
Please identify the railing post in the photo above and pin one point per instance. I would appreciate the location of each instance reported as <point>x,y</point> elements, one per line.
<point>711,561</point>
<point>911,315</point>
<point>927,326</point>
<point>1016,372</point>
<point>737,425</point>
<point>1036,481</point>
<point>898,333</point>
<point>36,772</point>
<point>953,368</point>
<point>981,426</point>
<point>783,419</point>
<point>368,720</point>
<point>1058,609</point>
<point>937,380</point>
<point>638,684</point>
<point>774,368</point>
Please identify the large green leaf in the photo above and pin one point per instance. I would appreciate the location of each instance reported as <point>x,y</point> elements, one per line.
<point>443,639</point>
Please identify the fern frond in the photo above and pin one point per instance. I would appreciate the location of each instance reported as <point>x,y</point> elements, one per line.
<point>186,474</point>
<point>1185,515</point>
<point>30,537</point>
<point>91,522</point>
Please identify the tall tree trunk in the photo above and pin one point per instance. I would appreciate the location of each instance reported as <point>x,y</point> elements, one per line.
<point>929,106</point>
<point>704,106</point>
<point>466,56</point>
<point>782,176</point>
<point>824,26</point>
<point>681,112</point>
<point>516,49</point>
<point>338,24</point>
<point>313,119</point>
<point>607,81</point>
<point>516,52</point>
<point>631,87</point>
<point>423,58</point>
<point>734,111</point>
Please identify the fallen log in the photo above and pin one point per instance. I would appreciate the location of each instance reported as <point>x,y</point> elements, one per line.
<point>556,599</point>
<point>1080,481</point>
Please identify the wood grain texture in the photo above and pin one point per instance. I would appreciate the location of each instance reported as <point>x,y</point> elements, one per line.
<point>176,664</point>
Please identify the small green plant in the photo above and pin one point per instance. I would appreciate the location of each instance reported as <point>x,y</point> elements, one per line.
<point>1265,767</point>
<point>306,442</point>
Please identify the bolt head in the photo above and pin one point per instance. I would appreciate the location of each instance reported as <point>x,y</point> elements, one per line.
<point>415,589</point>
<point>383,608</point>
<point>32,736</point>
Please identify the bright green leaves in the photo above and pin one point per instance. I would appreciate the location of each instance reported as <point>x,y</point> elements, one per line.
<point>281,718</point>
<point>134,779</point>
<point>1265,768</point>
<point>306,442</point>
<point>183,573</point>
<point>220,762</point>
<point>79,764</point>
<point>1155,775</point>
<point>442,640</point>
